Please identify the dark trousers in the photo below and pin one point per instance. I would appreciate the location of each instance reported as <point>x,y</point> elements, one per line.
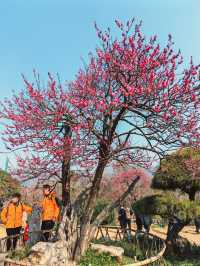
<point>47,226</point>
<point>147,223</point>
<point>13,238</point>
<point>123,223</point>
<point>129,223</point>
<point>139,223</point>
<point>143,220</point>
<point>197,224</point>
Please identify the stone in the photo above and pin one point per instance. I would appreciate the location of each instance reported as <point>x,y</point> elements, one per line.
<point>2,258</point>
<point>34,225</point>
<point>2,231</point>
<point>116,252</point>
<point>51,254</point>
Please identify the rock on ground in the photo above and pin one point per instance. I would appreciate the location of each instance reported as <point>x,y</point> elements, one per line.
<point>51,254</point>
<point>2,258</point>
<point>116,252</point>
<point>2,231</point>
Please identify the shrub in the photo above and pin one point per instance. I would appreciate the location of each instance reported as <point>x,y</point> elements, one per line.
<point>179,170</point>
<point>166,205</point>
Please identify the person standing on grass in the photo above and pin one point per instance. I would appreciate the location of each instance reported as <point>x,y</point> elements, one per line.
<point>11,217</point>
<point>50,212</point>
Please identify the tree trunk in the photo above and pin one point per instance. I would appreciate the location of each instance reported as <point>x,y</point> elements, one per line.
<point>68,229</point>
<point>77,242</point>
<point>174,228</point>
<point>87,232</point>
<point>68,232</point>
<point>86,227</point>
<point>66,182</point>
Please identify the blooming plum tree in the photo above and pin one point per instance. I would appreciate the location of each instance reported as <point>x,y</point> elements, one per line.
<point>116,183</point>
<point>130,105</point>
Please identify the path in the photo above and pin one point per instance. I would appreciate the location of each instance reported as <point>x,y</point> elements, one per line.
<point>187,232</point>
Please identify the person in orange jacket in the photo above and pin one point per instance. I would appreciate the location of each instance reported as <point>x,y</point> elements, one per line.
<point>50,211</point>
<point>11,217</point>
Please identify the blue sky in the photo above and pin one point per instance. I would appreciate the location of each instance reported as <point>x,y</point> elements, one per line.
<point>53,35</point>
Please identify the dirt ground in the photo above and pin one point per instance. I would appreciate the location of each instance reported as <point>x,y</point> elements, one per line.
<point>187,232</point>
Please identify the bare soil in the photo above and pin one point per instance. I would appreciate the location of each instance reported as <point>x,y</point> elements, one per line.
<point>187,232</point>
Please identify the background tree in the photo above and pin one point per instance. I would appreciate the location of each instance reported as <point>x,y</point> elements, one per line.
<point>166,205</point>
<point>179,170</point>
<point>118,181</point>
<point>127,106</point>
<point>8,185</point>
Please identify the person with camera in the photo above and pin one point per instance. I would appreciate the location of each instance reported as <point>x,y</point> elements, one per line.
<point>50,212</point>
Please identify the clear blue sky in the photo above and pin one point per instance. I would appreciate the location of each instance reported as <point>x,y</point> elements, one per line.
<point>53,35</point>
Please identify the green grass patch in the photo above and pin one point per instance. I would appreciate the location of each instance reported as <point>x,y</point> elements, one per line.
<point>130,249</point>
<point>172,260</point>
<point>127,260</point>
<point>92,258</point>
<point>19,254</point>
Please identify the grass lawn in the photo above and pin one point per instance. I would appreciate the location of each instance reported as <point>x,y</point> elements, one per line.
<point>95,259</point>
<point>130,250</point>
<point>176,261</point>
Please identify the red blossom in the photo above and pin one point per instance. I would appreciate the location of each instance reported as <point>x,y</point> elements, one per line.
<point>128,105</point>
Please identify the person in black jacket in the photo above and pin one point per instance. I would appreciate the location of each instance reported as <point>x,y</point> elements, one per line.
<point>122,217</point>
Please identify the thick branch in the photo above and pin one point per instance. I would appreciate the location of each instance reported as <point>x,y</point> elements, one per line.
<point>116,204</point>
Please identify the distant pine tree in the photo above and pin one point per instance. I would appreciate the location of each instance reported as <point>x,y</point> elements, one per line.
<point>179,170</point>
<point>8,185</point>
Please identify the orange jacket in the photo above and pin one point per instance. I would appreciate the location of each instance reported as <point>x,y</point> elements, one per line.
<point>11,215</point>
<point>50,209</point>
